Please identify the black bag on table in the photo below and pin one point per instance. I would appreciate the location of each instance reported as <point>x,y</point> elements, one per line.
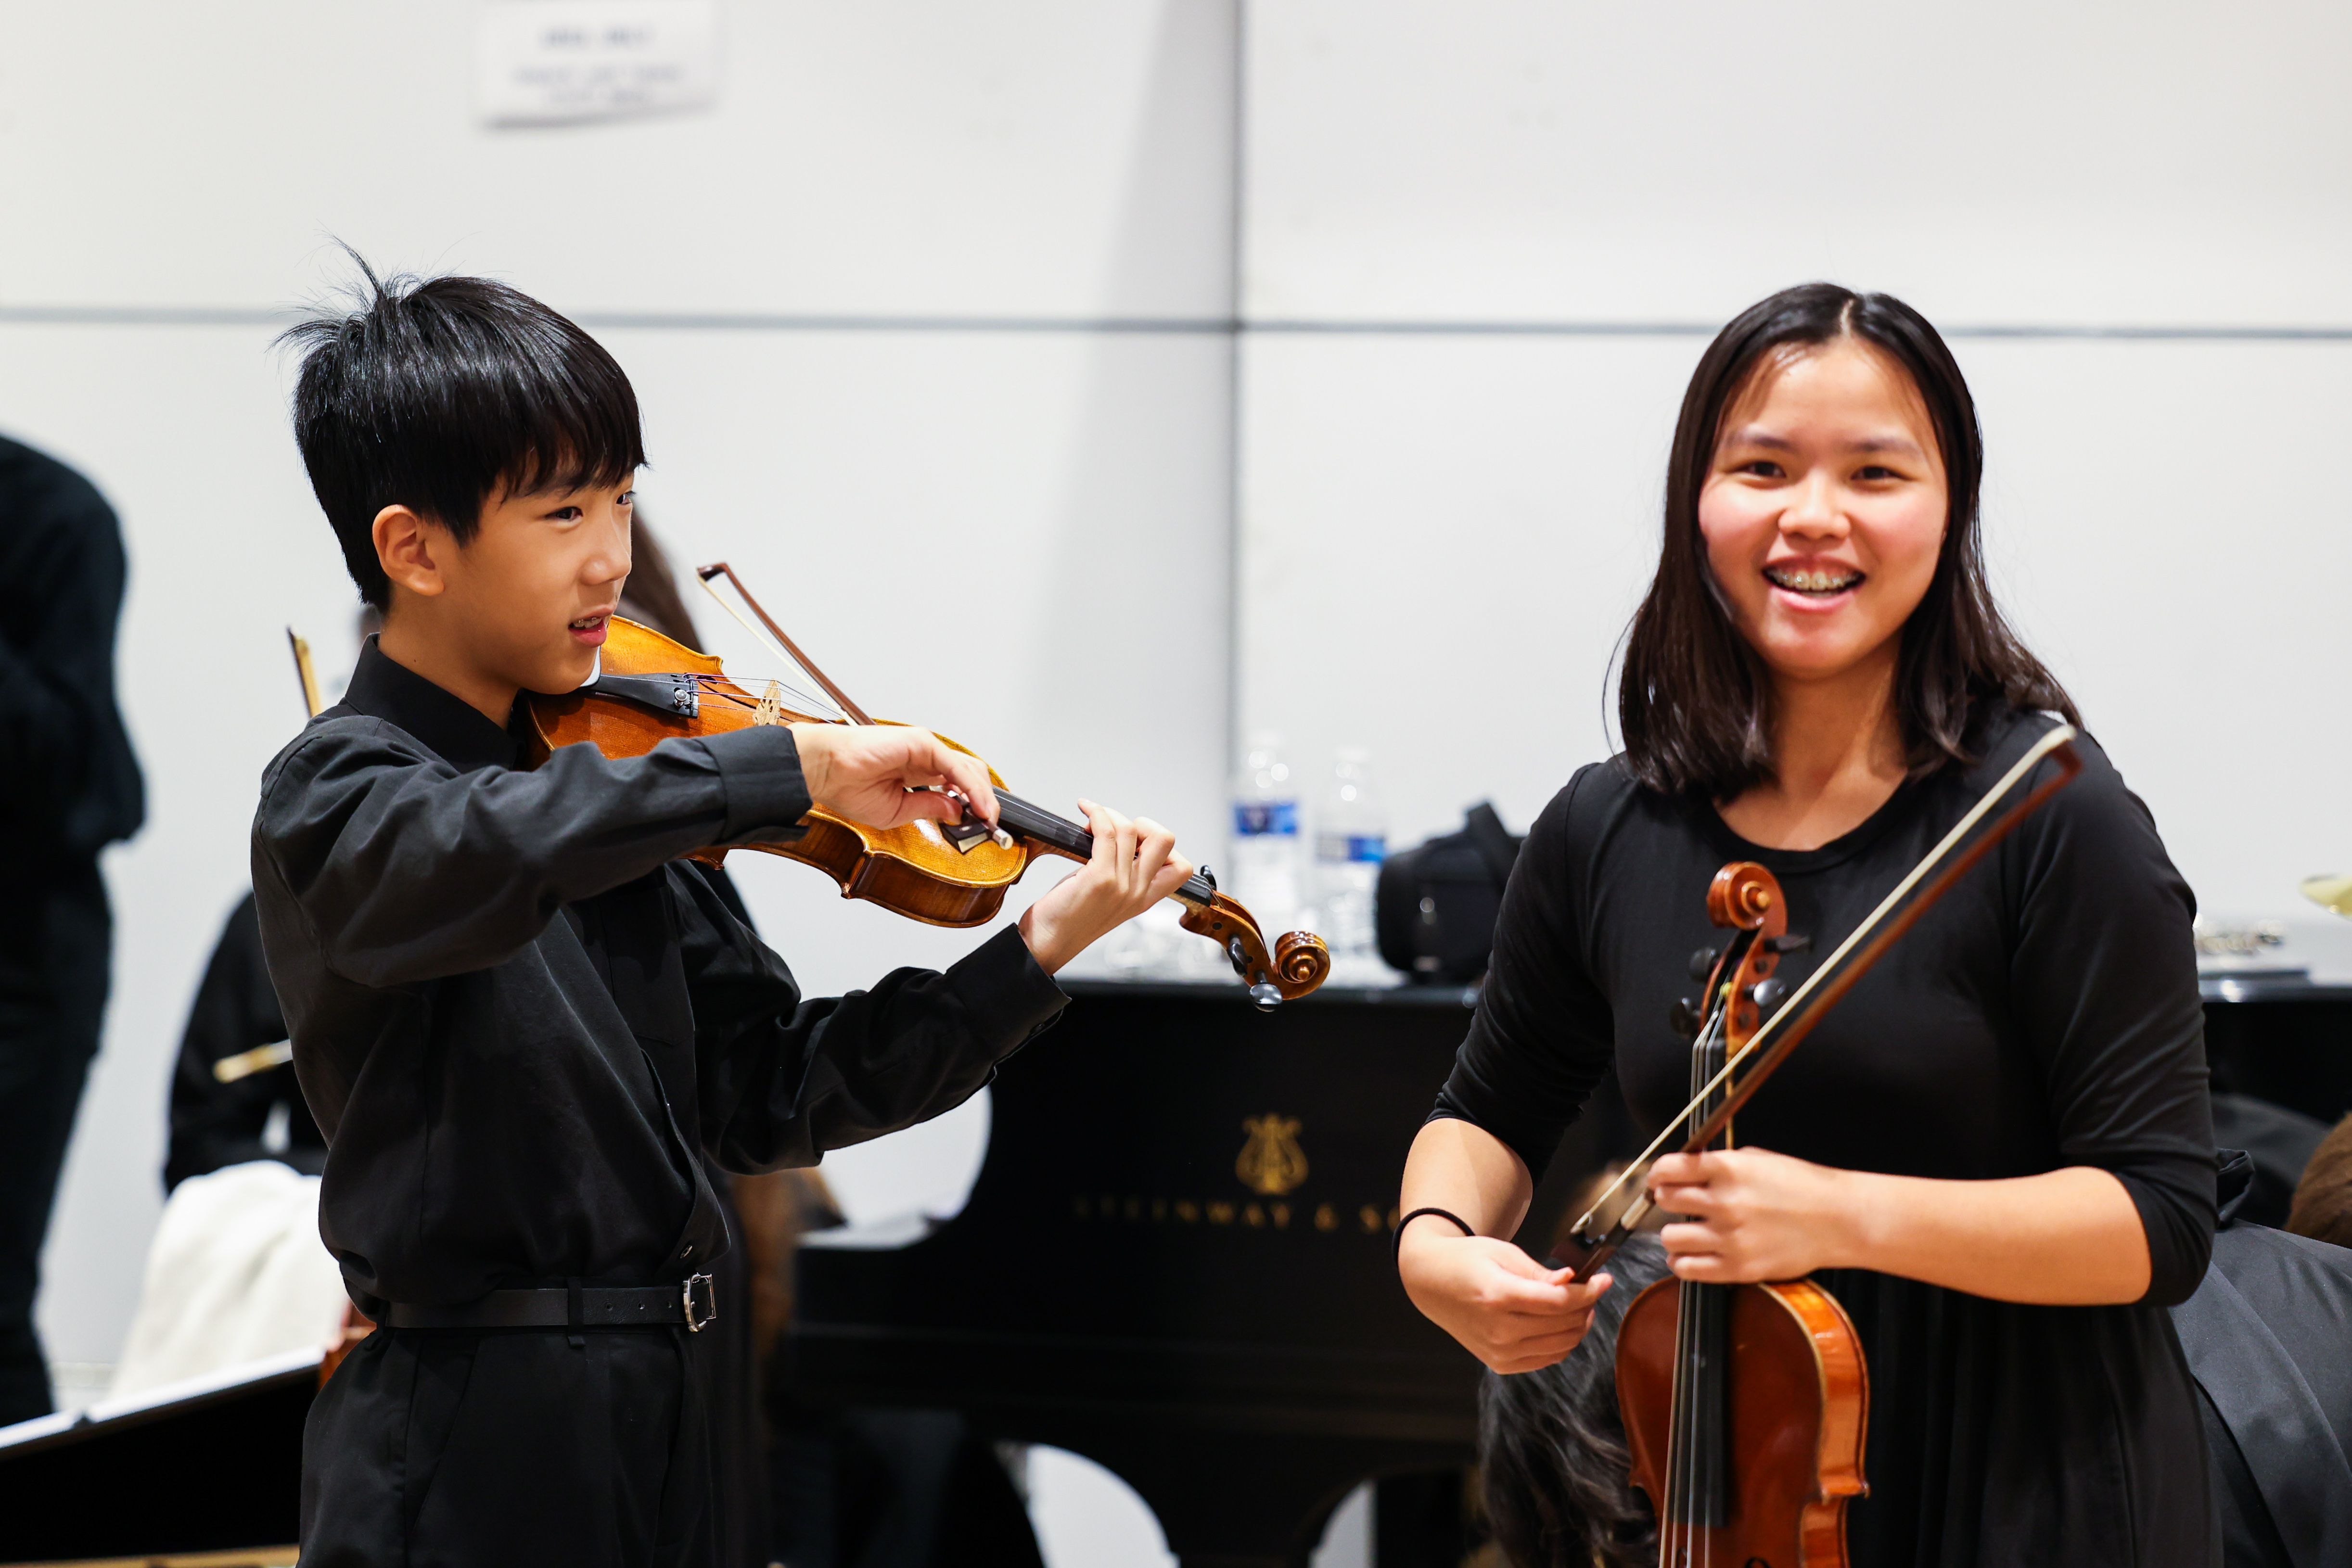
<point>1435,905</point>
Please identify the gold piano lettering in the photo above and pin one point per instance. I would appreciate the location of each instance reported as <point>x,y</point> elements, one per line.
<point>1133,1208</point>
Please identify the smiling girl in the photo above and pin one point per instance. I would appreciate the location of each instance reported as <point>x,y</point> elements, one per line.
<point>1997,1152</point>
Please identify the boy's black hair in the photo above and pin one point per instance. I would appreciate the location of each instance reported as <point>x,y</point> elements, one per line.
<point>434,393</point>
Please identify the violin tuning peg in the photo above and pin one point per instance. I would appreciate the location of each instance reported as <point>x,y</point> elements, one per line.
<point>1702,963</point>
<point>1683,1019</point>
<point>1768,994</point>
<point>1792,943</point>
<point>1205,874</point>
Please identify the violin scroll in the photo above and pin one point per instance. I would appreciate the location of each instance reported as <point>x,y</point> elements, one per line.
<point>1743,896</point>
<point>1302,959</point>
<point>1299,963</point>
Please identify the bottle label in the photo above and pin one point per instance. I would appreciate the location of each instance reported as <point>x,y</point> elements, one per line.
<point>1256,818</point>
<point>1361,848</point>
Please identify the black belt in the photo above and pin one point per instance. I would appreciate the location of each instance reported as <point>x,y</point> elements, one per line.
<point>574,1307</point>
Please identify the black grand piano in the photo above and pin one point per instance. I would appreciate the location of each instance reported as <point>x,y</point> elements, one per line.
<point>1176,1261</point>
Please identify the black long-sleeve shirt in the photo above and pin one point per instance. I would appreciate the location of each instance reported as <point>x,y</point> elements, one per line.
<point>2044,1014</point>
<point>214,1123</point>
<point>71,785</point>
<point>516,1019</point>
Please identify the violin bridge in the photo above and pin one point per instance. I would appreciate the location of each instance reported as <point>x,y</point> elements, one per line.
<point>771,705</point>
<point>971,831</point>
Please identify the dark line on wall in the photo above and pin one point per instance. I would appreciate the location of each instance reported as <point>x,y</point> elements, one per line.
<point>1237,237</point>
<point>1143,326</point>
<point>647,320</point>
<point>1147,326</point>
<point>2168,334</point>
<point>1305,327</point>
<point>141,316</point>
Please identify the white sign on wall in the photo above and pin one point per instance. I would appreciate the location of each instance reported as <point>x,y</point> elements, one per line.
<point>547,62</point>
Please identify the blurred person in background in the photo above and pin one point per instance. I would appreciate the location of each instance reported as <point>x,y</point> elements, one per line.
<point>234,1097</point>
<point>2323,1198</point>
<point>69,787</point>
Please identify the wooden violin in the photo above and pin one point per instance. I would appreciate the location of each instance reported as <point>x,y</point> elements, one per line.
<point>649,689</point>
<point>1746,1406</point>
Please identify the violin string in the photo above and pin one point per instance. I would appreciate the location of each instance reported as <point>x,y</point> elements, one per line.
<point>1716,997</point>
<point>742,699</point>
<point>1791,1008</point>
<point>773,647</point>
<point>1682,1415</point>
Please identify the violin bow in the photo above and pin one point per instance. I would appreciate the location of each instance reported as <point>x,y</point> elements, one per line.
<point>840,698</point>
<point>1771,1044</point>
<point>304,670</point>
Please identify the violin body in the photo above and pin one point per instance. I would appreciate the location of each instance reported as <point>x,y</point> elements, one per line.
<point>1794,1405</point>
<point>650,689</point>
<point>911,870</point>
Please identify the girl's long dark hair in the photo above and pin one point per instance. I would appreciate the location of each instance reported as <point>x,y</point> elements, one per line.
<point>1552,1461</point>
<point>1695,702</point>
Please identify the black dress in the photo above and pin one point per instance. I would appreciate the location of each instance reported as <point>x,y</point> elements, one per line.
<point>2044,1015</point>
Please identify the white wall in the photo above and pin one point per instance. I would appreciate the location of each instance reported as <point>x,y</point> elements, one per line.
<point>1532,161</point>
<point>926,316</point>
<point>1485,244</point>
<point>1062,159</point>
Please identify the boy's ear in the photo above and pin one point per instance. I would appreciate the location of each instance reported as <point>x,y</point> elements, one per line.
<point>412,550</point>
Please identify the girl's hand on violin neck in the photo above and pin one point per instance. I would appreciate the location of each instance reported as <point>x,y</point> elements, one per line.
<point>1135,865</point>
<point>1507,1309</point>
<point>887,775</point>
<point>1753,1215</point>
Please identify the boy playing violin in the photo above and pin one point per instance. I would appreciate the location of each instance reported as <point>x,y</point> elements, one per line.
<point>515,1015</point>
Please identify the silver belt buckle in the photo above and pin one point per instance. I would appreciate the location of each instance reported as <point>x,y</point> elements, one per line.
<point>708,1308</point>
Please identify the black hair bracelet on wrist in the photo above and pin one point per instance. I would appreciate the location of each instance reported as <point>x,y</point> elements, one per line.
<point>1396,1245</point>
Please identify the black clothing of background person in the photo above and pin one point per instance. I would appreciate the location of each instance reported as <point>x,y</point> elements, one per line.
<point>69,787</point>
<point>2267,1335</point>
<point>2044,1014</point>
<point>519,1023</point>
<point>216,1125</point>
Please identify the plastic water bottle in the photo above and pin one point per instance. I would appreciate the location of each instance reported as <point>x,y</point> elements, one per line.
<point>1351,838</point>
<point>1265,872</point>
